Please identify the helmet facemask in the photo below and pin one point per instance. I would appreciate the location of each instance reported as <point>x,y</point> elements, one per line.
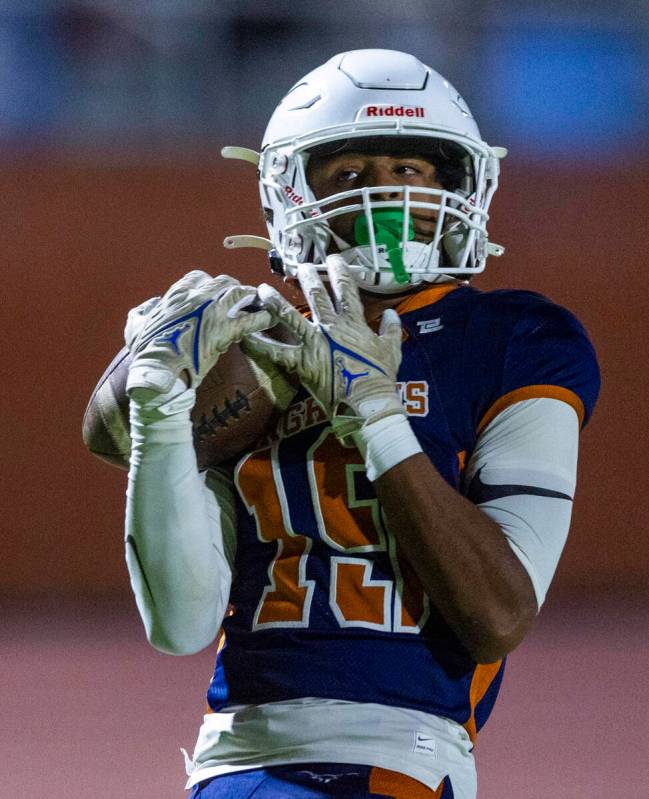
<point>383,254</point>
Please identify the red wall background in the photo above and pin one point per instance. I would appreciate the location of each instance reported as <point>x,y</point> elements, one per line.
<point>82,244</point>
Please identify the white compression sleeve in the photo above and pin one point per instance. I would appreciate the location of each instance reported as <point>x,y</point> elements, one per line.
<point>179,533</point>
<point>522,474</point>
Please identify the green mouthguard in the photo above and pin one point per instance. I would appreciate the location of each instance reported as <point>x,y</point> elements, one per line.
<point>388,232</point>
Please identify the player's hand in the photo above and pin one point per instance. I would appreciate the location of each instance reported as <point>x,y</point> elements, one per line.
<point>182,334</point>
<point>350,370</point>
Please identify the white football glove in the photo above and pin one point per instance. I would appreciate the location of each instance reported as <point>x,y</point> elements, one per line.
<point>183,333</point>
<point>350,370</point>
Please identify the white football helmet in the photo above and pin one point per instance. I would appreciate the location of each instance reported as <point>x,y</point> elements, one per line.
<point>377,101</point>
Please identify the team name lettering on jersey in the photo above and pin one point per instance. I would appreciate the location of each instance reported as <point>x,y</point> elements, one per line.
<point>307,413</point>
<point>299,416</point>
<point>414,395</point>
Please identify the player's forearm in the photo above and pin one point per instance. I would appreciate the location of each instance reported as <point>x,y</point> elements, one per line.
<point>175,558</point>
<point>461,557</point>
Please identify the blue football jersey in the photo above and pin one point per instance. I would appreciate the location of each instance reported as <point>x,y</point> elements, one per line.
<point>325,604</point>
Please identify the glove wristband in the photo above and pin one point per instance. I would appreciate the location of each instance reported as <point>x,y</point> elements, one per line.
<point>386,442</point>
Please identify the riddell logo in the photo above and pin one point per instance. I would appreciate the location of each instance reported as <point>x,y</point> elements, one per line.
<point>293,196</point>
<point>394,111</point>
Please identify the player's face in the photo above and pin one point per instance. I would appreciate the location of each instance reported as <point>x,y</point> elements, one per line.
<point>347,171</point>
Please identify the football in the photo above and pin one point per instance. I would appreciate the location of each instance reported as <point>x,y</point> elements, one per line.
<point>237,404</point>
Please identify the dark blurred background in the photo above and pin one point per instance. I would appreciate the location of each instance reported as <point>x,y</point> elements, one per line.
<point>112,116</point>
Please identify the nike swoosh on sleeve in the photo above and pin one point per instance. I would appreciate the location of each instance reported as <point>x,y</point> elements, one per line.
<point>480,492</point>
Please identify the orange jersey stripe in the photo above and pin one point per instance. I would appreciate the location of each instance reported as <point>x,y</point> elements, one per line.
<point>482,678</point>
<point>533,392</point>
<point>400,786</point>
<point>461,460</point>
<point>413,302</point>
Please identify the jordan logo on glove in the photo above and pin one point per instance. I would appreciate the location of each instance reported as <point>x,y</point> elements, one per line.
<point>172,338</point>
<point>347,376</point>
<point>176,332</point>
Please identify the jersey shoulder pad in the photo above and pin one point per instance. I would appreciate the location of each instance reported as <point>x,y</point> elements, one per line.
<point>541,350</point>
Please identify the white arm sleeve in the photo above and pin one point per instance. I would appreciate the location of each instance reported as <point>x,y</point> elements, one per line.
<point>522,474</point>
<point>180,532</point>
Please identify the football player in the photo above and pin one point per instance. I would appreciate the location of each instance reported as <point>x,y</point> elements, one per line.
<point>372,567</point>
